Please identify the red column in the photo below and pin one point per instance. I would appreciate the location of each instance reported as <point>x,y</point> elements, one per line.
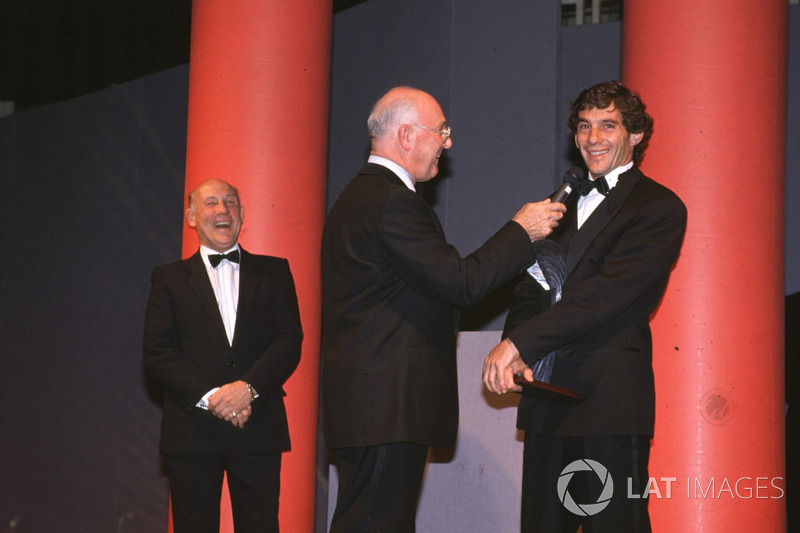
<point>713,76</point>
<point>258,113</point>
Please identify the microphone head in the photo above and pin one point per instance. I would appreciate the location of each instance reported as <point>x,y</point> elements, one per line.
<point>573,176</point>
<point>568,183</point>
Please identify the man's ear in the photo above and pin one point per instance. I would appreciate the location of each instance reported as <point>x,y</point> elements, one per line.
<point>636,138</point>
<point>405,136</point>
<point>190,218</point>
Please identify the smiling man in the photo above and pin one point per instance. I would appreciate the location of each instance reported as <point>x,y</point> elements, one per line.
<point>391,290</point>
<point>619,241</point>
<point>222,334</point>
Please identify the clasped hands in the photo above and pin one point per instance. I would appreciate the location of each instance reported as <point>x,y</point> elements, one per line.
<point>232,403</point>
<point>500,366</point>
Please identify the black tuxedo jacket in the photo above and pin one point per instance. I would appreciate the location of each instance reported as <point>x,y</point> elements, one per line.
<point>392,288</point>
<point>187,351</point>
<point>618,265</point>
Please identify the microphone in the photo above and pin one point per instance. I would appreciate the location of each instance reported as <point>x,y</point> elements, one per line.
<point>569,182</point>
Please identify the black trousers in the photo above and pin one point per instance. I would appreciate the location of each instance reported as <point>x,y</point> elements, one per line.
<point>195,482</point>
<point>555,500</point>
<point>379,488</point>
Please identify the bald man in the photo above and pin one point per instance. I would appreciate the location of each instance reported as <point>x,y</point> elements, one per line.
<point>222,334</point>
<point>392,290</point>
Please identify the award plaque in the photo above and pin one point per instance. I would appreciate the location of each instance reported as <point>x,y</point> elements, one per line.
<point>545,391</point>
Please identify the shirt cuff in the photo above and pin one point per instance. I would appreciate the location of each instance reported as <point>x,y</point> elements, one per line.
<point>203,403</point>
<point>536,273</point>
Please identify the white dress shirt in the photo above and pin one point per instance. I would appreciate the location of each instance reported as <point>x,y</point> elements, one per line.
<point>394,167</point>
<point>225,282</point>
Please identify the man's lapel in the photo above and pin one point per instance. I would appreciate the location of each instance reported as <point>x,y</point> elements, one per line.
<point>198,281</point>
<point>249,280</point>
<point>568,225</point>
<point>601,216</point>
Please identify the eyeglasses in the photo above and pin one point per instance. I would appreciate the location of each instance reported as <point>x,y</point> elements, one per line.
<point>444,132</point>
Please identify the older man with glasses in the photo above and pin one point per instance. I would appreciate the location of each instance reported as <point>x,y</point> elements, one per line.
<point>392,289</point>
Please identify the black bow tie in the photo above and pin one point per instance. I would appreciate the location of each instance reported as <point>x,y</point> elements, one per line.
<point>586,185</point>
<point>216,259</point>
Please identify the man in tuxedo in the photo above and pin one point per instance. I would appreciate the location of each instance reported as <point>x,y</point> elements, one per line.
<point>222,334</point>
<point>392,289</point>
<point>619,248</point>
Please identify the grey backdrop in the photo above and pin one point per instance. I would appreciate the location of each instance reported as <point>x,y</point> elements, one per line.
<point>93,197</point>
<point>92,200</point>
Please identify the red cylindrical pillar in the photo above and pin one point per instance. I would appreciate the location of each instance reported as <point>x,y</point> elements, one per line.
<point>713,75</point>
<point>258,113</point>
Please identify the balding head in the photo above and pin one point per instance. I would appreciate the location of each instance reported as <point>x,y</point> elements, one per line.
<point>404,127</point>
<point>398,106</point>
<point>216,213</point>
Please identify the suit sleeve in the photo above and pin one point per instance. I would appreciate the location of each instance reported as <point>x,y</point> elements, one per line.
<point>529,299</point>
<point>281,357</point>
<point>412,241</point>
<point>163,352</point>
<point>639,260</point>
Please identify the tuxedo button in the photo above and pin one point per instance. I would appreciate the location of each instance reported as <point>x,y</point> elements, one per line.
<point>231,364</point>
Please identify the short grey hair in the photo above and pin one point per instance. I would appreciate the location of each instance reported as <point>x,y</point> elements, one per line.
<point>396,107</point>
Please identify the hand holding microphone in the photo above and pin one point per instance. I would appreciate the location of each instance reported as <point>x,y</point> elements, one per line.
<point>568,184</point>
<point>539,219</point>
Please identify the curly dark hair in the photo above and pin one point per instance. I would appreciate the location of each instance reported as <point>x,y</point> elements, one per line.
<point>634,117</point>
